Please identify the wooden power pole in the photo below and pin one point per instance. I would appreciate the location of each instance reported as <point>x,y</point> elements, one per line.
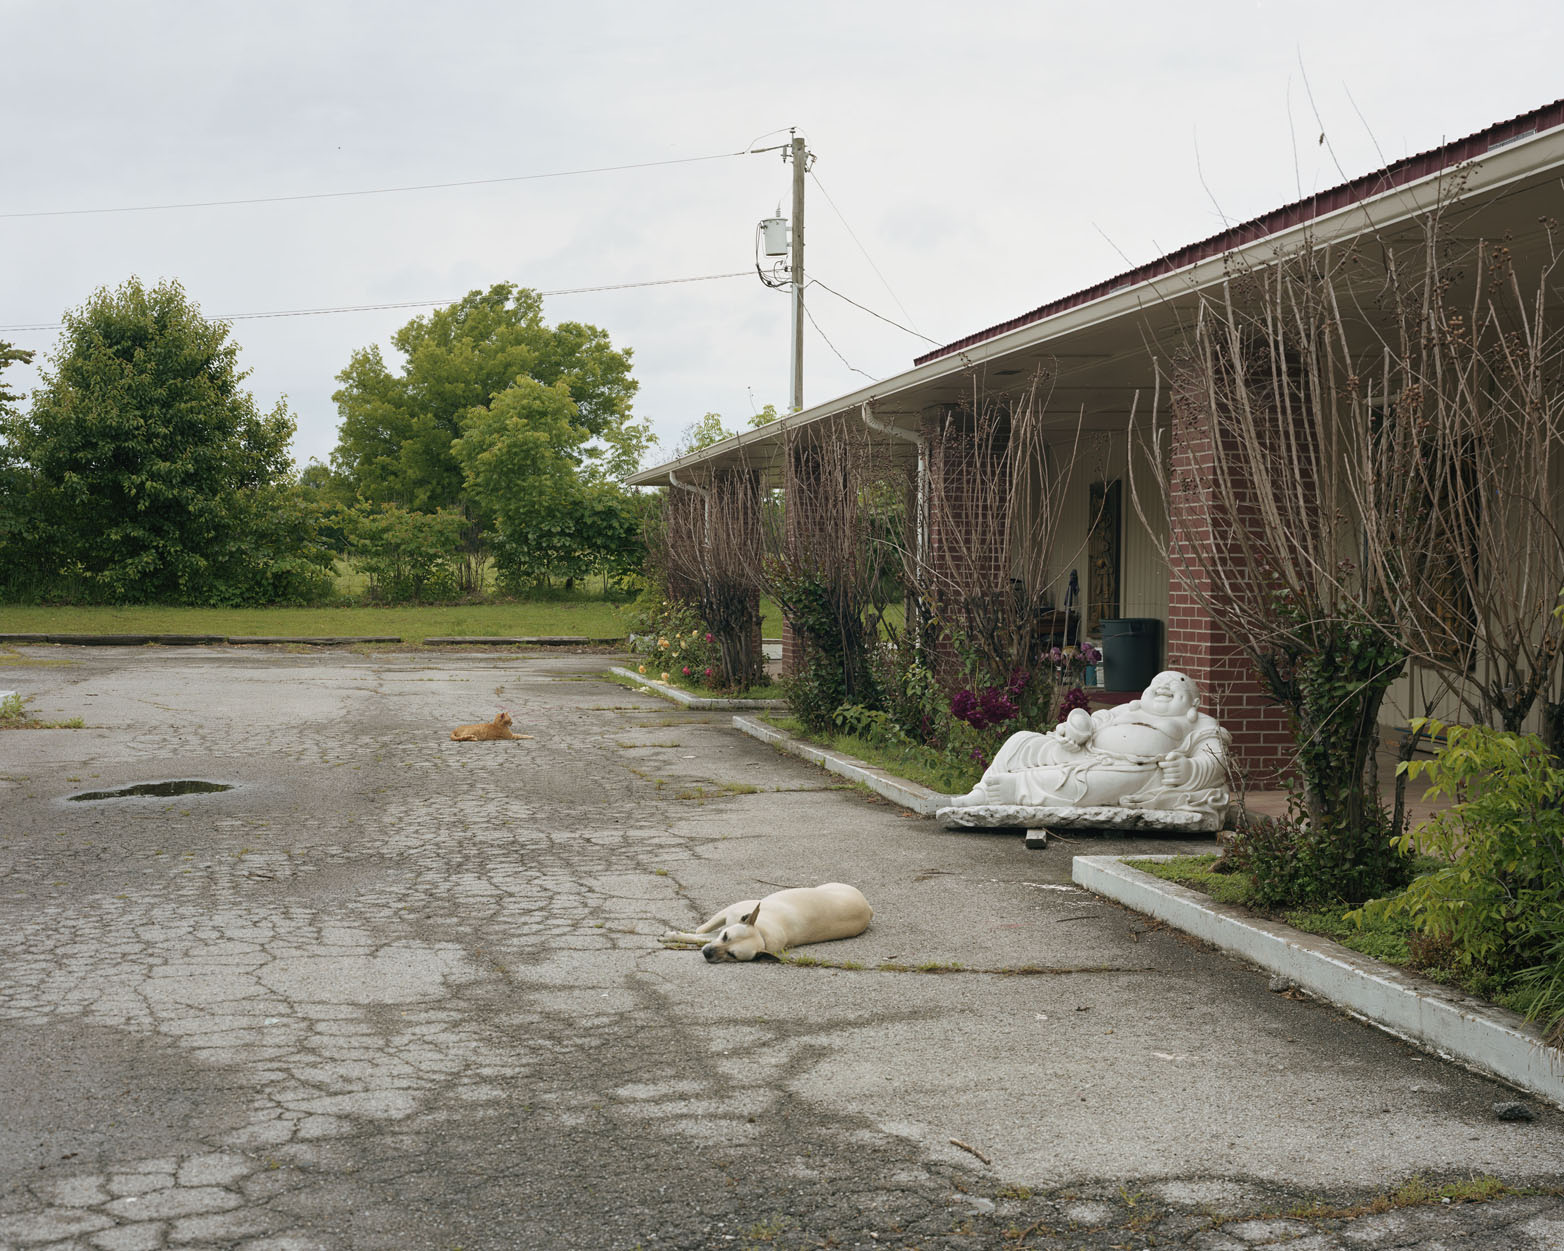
<point>800,166</point>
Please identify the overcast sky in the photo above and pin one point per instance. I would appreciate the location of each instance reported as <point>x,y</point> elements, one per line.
<point>987,157</point>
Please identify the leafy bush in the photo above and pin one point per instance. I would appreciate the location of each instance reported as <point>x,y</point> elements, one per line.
<point>1296,863</point>
<point>1497,904</point>
<point>674,641</point>
<point>407,555</point>
<point>911,693</point>
<point>836,668</point>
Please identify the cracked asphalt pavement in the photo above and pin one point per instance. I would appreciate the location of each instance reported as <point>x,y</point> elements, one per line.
<point>392,991</point>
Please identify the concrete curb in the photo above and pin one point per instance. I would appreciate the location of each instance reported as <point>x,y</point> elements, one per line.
<point>330,640</point>
<point>919,799</point>
<point>118,640</point>
<point>1436,1018</point>
<point>705,703</point>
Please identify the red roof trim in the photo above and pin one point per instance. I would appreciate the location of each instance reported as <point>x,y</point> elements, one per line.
<point>1399,173</point>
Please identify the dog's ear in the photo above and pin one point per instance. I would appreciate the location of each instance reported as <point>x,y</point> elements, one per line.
<point>750,919</point>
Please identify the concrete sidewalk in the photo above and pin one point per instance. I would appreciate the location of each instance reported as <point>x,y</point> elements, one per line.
<point>392,991</point>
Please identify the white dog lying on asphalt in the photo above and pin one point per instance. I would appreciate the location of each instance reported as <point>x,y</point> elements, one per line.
<point>786,918</point>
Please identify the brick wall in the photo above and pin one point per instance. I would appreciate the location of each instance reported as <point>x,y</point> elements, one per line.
<point>1231,691</point>
<point>969,488</point>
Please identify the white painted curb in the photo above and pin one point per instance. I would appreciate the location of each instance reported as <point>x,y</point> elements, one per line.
<point>706,703</point>
<point>919,799</point>
<point>1469,1031</point>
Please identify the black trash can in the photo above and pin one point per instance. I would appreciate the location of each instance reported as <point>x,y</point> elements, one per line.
<point>1131,652</point>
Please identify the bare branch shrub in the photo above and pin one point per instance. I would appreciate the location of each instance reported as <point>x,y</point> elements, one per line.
<point>1278,463</point>
<point>1361,468</point>
<point>1478,387</point>
<point>708,537</point>
<point>828,559</point>
<point>992,571</point>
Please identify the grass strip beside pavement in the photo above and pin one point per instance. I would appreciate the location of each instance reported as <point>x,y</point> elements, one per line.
<point>413,623</point>
<point>922,765</point>
<point>1383,940</point>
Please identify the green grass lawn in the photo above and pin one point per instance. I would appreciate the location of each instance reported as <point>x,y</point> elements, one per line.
<point>586,615</point>
<point>594,618</point>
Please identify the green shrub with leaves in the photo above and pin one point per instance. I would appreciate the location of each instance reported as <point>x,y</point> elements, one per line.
<point>673,639</point>
<point>1497,903</point>
<point>145,472</point>
<point>1336,844</point>
<point>836,668</point>
<point>1295,862</point>
<point>407,556</point>
<point>911,692</point>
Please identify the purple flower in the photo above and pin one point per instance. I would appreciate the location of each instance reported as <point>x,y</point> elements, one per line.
<point>993,706</point>
<point>1090,654</point>
<point>1074,698</point>
<point>964,707</point>
<point>997,706</point>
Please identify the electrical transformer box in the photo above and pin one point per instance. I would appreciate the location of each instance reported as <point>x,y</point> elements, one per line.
<point>773,232</point>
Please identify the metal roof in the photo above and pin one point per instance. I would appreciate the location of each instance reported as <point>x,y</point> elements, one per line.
<point>1397,174</point>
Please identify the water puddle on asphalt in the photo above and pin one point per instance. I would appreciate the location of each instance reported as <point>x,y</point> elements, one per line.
<point>187,786</point>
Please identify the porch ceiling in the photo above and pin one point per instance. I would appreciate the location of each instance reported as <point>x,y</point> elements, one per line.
<point>1102,354</point>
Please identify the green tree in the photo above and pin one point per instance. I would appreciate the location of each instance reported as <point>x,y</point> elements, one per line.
<point>709,429</point>
<point>495,414</point>
<point>703,433</point>
<point>10,354</point>
<point>15,481</point>
<point>394,442</point>
<point>524,463</point>
<point>153,475</point>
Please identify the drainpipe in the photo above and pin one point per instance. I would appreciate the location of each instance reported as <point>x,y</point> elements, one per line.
<point>920,535</point>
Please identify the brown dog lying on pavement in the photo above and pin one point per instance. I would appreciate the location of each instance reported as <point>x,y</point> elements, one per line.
<point>486,731</point>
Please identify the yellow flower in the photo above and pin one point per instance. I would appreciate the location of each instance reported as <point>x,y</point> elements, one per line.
<point>665,677</point>
<point>662,642</point>
<point>641,669</point>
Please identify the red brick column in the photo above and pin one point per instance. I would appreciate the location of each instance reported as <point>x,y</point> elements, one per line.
<point>968,493</point>
<point>1230,689</point>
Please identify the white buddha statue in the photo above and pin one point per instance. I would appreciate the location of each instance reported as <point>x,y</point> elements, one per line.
<point>1158,752</point>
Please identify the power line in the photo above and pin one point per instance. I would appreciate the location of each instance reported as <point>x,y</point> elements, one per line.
<point>367,308</point>
<point>815,282</point>
<point>337,195</point>
<point>854,236</point>
<point>832,346</point>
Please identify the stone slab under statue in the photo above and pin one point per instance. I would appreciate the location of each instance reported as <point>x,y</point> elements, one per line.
<point>1155,763</point>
